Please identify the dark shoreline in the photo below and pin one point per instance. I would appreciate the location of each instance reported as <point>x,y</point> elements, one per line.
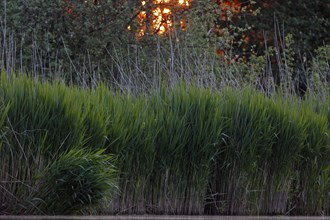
<point>163,217</point>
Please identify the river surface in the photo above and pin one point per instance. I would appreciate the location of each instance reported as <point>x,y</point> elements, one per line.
<point>164,217</point>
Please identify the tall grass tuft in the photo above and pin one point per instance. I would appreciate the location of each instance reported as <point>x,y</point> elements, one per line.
<point>77,182</point>
<point>188,130</point>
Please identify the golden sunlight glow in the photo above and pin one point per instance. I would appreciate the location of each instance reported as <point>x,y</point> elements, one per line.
<point>161,1</point>
<point>161,29</point>
<point>140,33</point>
<point>184,2</point>
<point>157,22</point>
<point>183,24</point>
<point>166,11</point>
<point>161,16</point>
<point>142,15</point>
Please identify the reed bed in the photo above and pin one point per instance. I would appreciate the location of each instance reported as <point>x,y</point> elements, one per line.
<point>185,149</point>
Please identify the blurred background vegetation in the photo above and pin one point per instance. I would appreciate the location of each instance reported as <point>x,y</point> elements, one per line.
<point>82,40</point>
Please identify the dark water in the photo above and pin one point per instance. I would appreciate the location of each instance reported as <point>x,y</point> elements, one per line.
<point>164,217</point>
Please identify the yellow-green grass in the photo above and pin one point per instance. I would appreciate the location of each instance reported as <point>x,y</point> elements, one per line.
<point>180,150</point>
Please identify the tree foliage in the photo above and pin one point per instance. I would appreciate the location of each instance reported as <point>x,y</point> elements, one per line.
<point>307,21</point>
<point>70,29</point>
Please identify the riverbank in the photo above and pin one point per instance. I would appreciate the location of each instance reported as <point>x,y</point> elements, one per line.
<point>166,217</point>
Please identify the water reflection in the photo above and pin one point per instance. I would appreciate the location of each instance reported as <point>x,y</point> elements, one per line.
<point>164,217</point>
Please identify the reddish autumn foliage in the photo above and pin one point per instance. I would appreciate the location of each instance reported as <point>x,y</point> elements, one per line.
<point>232,6</point>
<point>69,7</point>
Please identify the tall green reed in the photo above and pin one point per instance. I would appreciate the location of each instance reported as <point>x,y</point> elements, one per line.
<point>264,142</point>
<point>184,149</point>
<point>188,132</point>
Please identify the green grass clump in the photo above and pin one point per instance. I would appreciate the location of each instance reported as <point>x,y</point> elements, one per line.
<point>75,183</point>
